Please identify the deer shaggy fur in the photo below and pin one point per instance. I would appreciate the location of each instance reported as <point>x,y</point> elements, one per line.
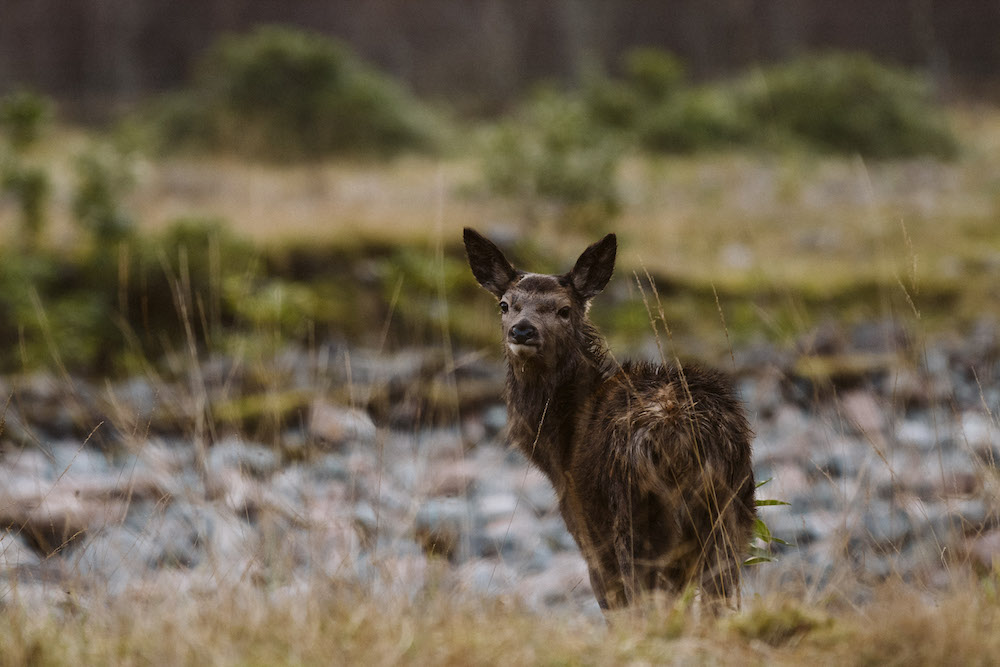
<point>651,463</point>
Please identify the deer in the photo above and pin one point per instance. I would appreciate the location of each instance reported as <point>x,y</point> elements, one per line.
<point>650,462</point>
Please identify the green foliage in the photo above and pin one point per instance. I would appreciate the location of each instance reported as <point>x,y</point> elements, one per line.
<point>279,93</point>
<point>201,251</point>
<point>692,120</point>
<point>780,625</point>
<point>30,187</point>
<point>23,116</point>
<point>762,538</point>
<point>553,153</point>
<point>654,74</point>
<point>837,103</point>
<point>103,178</point>
<point>850,104</point>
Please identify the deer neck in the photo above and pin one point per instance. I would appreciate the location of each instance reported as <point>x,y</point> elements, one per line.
<point>543,405</point>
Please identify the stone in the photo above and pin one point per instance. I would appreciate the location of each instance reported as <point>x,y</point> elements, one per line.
<point>365,521</point>
<point>449,478</point>
<point>565,581</point>
<point>113,557</point>
<point>336,424</point>
<point>863,412</point>
<point>917,434</point>
<point>887,525</point>
<point>15,552</point>
<point>248,458</point>
<point>978,430</point>
<point>495,420</point>
<point>497,506</point>
<point>984,550</point>
<point>441,525</point>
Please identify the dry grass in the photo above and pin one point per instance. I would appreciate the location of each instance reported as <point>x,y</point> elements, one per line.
<point>324,623</point>
<point>728,218</point>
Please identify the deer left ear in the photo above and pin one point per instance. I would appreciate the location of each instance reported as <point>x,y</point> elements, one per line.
<point>593,270</point>
<point>489,266</point>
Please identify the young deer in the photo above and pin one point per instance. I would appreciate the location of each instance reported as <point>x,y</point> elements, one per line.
<point>651,463</point>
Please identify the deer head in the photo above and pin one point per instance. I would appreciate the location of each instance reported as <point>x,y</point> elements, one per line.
<point>544,317</point>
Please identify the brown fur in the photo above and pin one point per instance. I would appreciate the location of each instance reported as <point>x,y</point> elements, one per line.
<point>651,464</point>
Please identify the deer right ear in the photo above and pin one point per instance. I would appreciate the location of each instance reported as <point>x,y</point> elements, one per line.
<point>594,268</point>
<point>490,267</point>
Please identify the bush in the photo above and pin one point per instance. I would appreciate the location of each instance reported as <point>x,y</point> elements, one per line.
<point>553,153</point>
<point>23,116</point>
<point>278,93</point>
<point>694,120</point>
<point>835,103</point>
<point>104,177</point>
<point>850,104</point>
<point>654,74</point>
<point>30,187</point>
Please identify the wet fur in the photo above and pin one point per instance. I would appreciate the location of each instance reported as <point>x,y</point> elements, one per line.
<point>651,463</point>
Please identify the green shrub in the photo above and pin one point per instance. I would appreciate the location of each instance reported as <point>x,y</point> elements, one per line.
<point>837,103</point>
<point>692,120</point>
<point>103,179</point>
<point>654,74</point>
<point>850,104</point>
<point>279,93</point>
<point>30,187</point>
<point>553,153</point>
<point>23,116</point>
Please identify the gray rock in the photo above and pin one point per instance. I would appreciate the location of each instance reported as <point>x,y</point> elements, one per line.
<point>329,467</point>
<point>113,557</point>
<point>252,459</point>
<point>179,536</point>
<point>366,521</point>
<point>495,420</point>
<point>978,430</point>
<point>984,550</point>
<point>862,411</point>
<point>513,540</point>
<point>336,424</point>
<point>887,525</point>
<point>917,434</point>
<point>496,506</point>
<point>487,577</point>
<point>442,525</point>
<point>565,581</point>
<point>15,552</point>
<point>555,534</point>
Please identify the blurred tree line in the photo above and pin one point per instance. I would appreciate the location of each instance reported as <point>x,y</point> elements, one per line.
<point>95,55</point>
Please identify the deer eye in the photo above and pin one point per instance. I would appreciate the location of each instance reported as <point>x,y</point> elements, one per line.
<point>564,312</point>
<point>503,306</point>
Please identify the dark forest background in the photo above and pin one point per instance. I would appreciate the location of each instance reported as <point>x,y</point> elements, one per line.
<point>96,56</point>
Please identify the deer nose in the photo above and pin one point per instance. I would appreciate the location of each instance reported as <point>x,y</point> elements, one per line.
<point>522,332</point>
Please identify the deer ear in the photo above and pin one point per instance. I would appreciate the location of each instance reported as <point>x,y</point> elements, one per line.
<point>594,268</point>
<point>489,266</point>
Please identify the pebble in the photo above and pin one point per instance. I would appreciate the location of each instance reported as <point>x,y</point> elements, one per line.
<point>336,424</point>
<point>875,478</point>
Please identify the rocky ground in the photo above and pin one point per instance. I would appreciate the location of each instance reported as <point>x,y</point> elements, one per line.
<point>388,470</point>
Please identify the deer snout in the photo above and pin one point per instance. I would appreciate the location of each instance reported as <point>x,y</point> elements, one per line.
<point>523,332</point>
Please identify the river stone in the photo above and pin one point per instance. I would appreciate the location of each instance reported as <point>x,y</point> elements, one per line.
<point>984,550</point>
<point>441,524</point>
<point>113,557</point>
<point>565,581</point>
<point>253,459</point>
<point>495,419</point>
<point>862,410</point>
<point>15,552</point>
<point>336,424</point>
